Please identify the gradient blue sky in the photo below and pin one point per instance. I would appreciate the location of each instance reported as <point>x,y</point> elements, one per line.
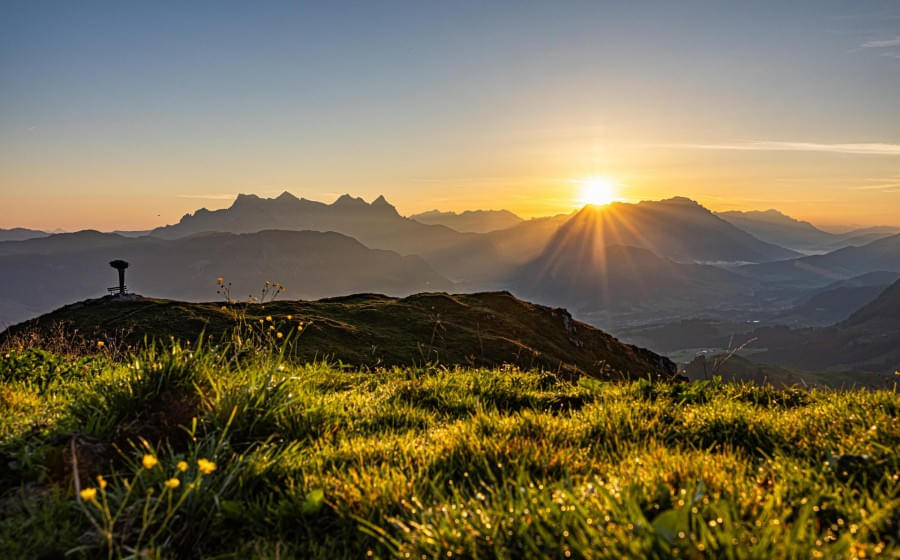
<point>127,115</point>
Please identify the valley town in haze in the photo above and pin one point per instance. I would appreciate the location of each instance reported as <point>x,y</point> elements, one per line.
<point>472,279</point>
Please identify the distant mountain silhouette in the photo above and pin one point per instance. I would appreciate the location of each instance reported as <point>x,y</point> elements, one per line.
<point>882,255</point>
<point>132,232</point>
<point>476,221</point>
<point>525,241</point>
<point>678,229</point>
<point>774,227</point>
<point>64,243</point>
<point>41,274</point>
<point>20,234</point>
<point>869,340</point>
<point>460,256</point>
<point>582,269</point>
<point>863,236</point>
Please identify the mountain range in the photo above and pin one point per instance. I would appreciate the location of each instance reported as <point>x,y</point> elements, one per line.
<point>620,265</point>
<point>881,255</point>
<point>775,227</point>
<point>678,228</point>
<point>378,225</point>
<point>470,221</point>
<point>20,234</point>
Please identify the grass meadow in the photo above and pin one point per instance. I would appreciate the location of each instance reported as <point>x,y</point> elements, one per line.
<point>174,451</point>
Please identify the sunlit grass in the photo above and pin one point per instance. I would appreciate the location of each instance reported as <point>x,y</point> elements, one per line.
<point>314,460</point>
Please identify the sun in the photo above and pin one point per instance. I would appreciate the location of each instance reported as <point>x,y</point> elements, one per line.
<point>597,190</point>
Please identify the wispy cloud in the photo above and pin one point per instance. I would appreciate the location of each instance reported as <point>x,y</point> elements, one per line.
<point>883,184</point>
<point>887,187</point>
<point>777,146</point>
<point>895,42</point>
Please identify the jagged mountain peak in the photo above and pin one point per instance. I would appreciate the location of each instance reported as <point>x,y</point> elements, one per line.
<point>287,197</point>
<point>347,200</point>
<point>382,204</point>
<point>681,200</point>
<point>246,201</point>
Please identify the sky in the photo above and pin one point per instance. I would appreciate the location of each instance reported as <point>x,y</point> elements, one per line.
<point>127,115</point>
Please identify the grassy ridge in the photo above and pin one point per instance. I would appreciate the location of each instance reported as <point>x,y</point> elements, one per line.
<point>318,461</point>
<point>485,329</point>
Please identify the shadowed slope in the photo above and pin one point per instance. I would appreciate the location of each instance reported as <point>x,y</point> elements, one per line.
<point>682,230</point>
<point>587,267</point>
<point>837,301</point>
<point>869,340</point>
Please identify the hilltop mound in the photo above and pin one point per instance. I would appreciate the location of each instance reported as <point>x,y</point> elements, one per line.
<point>486,329</point>
<point>42,274</point>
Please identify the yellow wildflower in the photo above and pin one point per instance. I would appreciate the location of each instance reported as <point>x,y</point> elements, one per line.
<point>271,327</point>
<point>101,481</point>
<point>279,335</point>
<point>173,483</point>
<point>290,317</point>
<point>219,280</point>
<point>149,461</point>
<point>205,466</point>
<point>89,494</point>
<point>182,466</point>
<point>100,344</point>
<point>269,318</point>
